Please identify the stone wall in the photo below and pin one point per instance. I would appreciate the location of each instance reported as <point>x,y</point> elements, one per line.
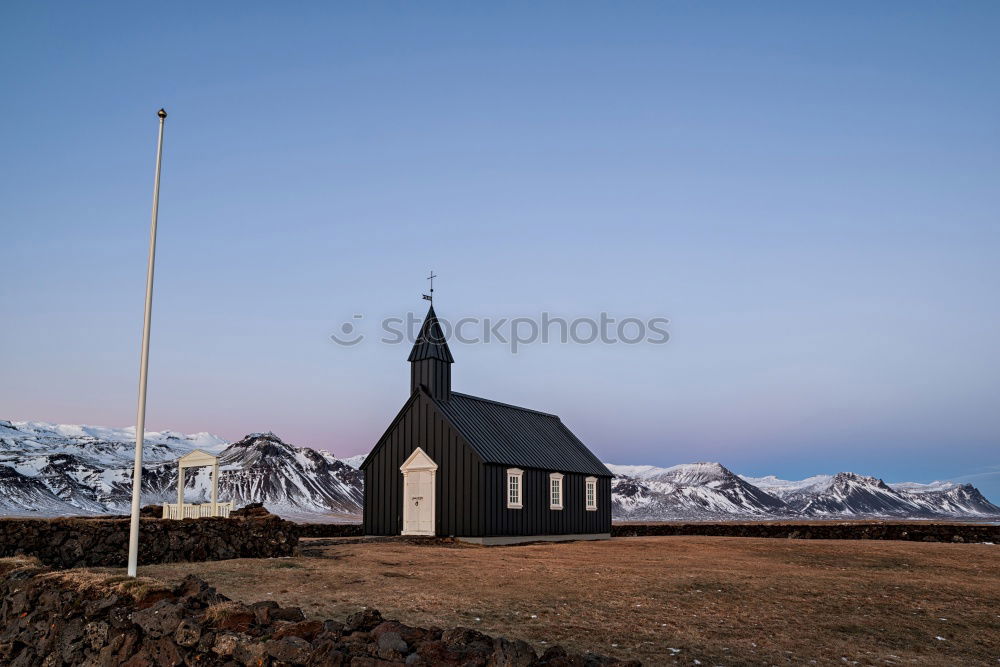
<point>77,618</point>
<point>78,542</point>
<point>868,530</point>
<point>330,530</point>
<point>818,530</point>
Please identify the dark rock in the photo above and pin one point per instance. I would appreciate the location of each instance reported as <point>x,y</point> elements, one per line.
<point>251,510</point>
<point>188,633</point>
<point>436,652</point>
<point>99,607</point>
<point>96,634</point>
<point>152,512</point>
<point>364,661</point>
<point>507,653</point>
<point>164,652</point>
<point>409,634</point>
<point>328,652</point>
<point>69,639</point>
<point>334,628</point>
<point>120,617</point>
<point>467,639</point>
<point>225,644</point>
<point>365,620</point>
<point>249,651</point>
<point>307,630</point>
<point>262,611</point>
<point>26,658</point>
<point>357,642</point>
<point>293,614</point>
<point>107,658</point>
<point>158,620</point>
<point>553,652</point>
<point>127,644</point>
<point>206,642</point>
<point>196,589</point>
<point>232,616</point>
<point>289,649</point>
<point>391,646</point>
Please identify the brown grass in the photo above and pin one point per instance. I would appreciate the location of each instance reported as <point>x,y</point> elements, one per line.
<point>224,610</point>
<point>100,583</point>
<point>88,581</point>
<point>662,599</point>
<point>11,563</point>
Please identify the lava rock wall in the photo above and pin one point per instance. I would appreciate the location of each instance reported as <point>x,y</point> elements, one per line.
<point>78,618</point>
<point>920,532</point>
<point>330,530</point>
<point>80,542</point>
<point>860,530</point>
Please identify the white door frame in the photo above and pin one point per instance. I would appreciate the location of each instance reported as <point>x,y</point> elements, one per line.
<point>419,461</point>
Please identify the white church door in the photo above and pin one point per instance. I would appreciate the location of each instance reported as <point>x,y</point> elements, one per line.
<point>419,476</point>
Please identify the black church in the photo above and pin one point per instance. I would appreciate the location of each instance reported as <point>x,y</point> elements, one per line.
<point>452,464</point>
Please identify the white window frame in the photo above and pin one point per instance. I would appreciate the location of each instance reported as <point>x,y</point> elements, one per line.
<point>515,475</point>
<point>590,493</point>
<point>556,481</point>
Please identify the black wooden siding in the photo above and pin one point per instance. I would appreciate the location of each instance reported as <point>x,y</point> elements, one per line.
<point>433,375</point>
<point>535,517</point>
<point>458,482</point>
<point>470,496</point>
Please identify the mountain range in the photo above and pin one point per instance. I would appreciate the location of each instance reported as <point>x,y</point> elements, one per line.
<point>701,491</point>
<point>62,470</point>
<point>58,470</point>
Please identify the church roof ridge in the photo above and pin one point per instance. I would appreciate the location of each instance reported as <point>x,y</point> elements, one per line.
<point>506,434</point>
<point>506,405</point>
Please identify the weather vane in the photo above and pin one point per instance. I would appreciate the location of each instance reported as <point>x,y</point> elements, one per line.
<point>430,297</point>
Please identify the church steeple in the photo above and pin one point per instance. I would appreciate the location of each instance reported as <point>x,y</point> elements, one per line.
<point>431,360</point>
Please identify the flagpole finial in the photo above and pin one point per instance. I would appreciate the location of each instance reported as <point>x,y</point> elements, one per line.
<point>162,114</point>
<point>430,297</point>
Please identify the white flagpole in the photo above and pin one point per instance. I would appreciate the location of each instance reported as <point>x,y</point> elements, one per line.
<point>140,420</point>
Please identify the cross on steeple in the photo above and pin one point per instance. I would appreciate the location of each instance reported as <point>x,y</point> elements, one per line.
<point>430,297</point>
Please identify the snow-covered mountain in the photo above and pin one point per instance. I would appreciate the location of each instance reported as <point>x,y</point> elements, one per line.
<point>711,491</point>
<point>57,469</point>
<point>848,494</point>
<point>691,490</point>
<point>290,481</point>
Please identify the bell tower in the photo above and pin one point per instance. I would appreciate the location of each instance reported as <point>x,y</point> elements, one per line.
<point>431,360</point>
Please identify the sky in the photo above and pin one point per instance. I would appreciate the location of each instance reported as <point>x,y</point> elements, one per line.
<point>807,191</point>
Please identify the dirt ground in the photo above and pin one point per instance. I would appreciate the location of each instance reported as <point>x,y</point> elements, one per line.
<point>661,599</point>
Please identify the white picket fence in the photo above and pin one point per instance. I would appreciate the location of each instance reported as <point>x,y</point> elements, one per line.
<point>196,510</point>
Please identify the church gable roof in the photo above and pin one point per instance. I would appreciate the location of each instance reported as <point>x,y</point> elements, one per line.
<point>431,343</point>
<point>509,435</point>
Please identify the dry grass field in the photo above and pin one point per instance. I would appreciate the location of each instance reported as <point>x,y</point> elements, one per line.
<point>662,599</point>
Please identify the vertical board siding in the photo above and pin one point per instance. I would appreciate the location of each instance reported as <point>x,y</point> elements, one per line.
<point>535,517</point>
<point>454,494</point>
<point>432,374</point>
<point>471,497</point>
